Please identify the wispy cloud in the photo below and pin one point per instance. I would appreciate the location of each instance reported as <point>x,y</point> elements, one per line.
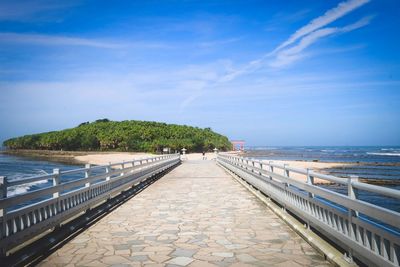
<point>331,15</point>
<point>292,54</point>
<point>281,18</point>
<point>11,10</point>
<point>288,51</point>
<point>41,39</point>
<point>218,42</point>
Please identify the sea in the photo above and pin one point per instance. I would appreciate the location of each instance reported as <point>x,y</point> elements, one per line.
<point>16,168</point>
<point>377,164</point>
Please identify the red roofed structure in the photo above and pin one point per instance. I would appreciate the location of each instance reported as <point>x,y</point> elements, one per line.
<point>238,145</point>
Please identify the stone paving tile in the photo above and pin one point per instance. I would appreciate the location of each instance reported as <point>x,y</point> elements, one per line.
<point>196,215</point>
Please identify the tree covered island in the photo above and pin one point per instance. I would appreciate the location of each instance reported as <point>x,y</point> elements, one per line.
<point>132,135</point>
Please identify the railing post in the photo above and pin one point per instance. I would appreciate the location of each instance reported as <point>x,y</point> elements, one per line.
<point>108,170</point>
<point>261,167</point>
<point>352,193</point>
<point>271,168</point>
<point>56,181</point>
<point>310,181</point>
<point>285,171</point>
<point>56,195</point>
<point>286,184</point>
<point>87,175</point>
<point>3,213</point>
<point>108,178</point>
<point>123,167</point>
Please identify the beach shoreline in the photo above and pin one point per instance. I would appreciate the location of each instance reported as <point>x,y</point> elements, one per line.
<point>77,157</point>
<point>65,157</point>
<point>92,157</point>
<point>107,157</point>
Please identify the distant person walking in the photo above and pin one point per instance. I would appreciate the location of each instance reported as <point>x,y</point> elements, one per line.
<point>204,155</point>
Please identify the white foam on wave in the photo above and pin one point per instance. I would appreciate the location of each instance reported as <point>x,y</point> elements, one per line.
<point>263,148</point>
<point>21,189</point>
<point>384,154</point>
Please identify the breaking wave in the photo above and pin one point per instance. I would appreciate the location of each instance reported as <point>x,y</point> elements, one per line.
<point>21,189</point>
<point>384,154</point>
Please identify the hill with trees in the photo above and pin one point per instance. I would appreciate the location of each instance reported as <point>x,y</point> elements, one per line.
<point>106,135</point>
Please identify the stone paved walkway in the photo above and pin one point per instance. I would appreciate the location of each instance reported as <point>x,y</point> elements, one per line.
<point>197,215</point>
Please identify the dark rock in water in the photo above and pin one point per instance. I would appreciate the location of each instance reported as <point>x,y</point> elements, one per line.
<point>381,181</point>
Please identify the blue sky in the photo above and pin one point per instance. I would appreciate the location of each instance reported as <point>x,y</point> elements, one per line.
<point>269,72</point>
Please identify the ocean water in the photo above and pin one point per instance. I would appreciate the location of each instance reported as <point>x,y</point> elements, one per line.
<point>16,168</point>
<point>377,164</point>
<point>362,154</point>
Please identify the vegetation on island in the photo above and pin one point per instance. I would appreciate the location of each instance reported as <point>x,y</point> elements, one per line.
<point>106,135</point>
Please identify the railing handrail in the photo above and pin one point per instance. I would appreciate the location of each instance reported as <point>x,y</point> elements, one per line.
<point>6,202</point>
<point>358,226</point>
<point>344,181</point>
<point>36,178</point>
<point>21,220</point>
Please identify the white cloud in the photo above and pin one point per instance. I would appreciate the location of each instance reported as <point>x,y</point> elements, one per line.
<point>308,34</point>
<point>359,24</point>
<point>286,53</point>
<point>218,42</point>
<point>23,10</point>
<point>58,40</point>
<point>41,39</point>
<point>292,54</point>
<point>331,15</point>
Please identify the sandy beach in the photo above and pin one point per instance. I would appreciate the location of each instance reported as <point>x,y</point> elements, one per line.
<point>105,158</point>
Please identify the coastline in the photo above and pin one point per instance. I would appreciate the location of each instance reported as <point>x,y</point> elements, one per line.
<point>65,157</point>
<point>106,157</point>
<point>74,157</point>
<point>91,157</point>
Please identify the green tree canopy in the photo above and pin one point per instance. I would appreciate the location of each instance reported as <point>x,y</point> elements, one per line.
<point>130,135</point>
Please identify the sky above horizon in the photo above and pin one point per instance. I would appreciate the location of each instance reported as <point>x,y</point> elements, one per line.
<point>269,72</point>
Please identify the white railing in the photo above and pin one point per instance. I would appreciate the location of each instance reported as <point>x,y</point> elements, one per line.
<point>28,215</point>
<point>366,231</point>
